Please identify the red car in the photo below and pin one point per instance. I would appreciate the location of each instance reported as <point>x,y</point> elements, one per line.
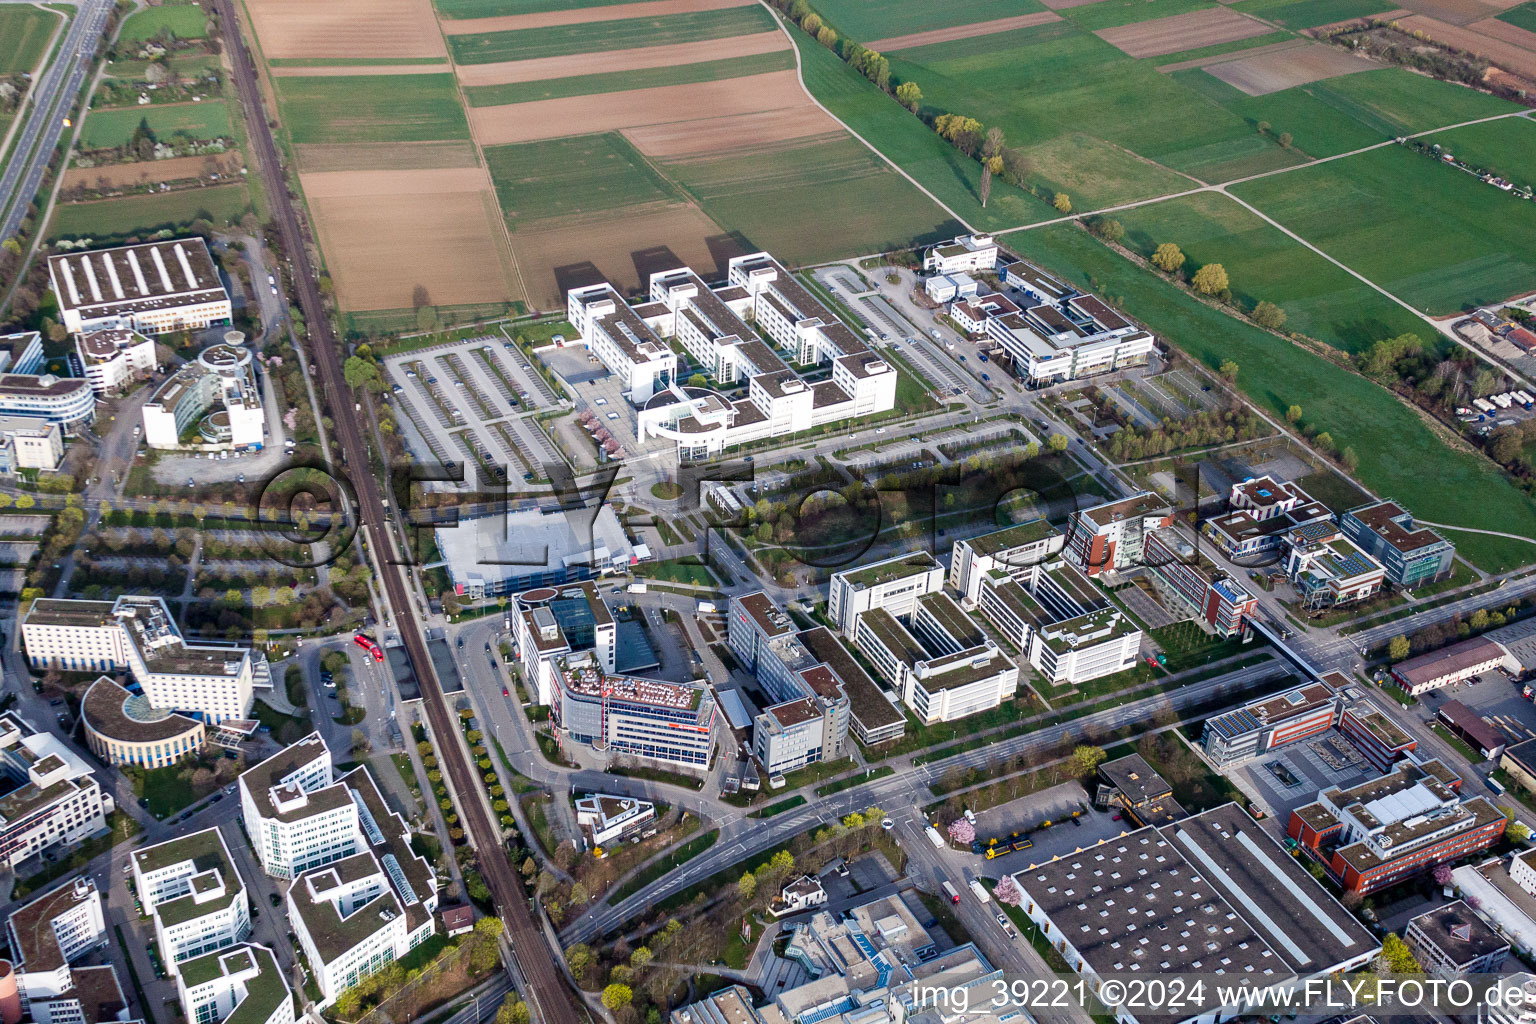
<point>504,692</point>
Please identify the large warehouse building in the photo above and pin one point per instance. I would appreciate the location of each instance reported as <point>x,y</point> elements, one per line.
<point>153,288</point>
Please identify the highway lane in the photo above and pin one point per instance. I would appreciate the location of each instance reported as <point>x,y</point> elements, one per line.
<point>549,997</point>
<point>52,99</point>
<point>741,837</point>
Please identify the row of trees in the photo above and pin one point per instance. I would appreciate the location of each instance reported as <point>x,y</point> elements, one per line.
<point>1434,637</point>
<point>1200,430</point>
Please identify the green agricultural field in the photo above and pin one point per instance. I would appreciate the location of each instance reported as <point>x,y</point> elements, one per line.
<point>1262,262</point>
<point>24,36</point>
<point>1137,127</point>
<point>184,21</point>
<point>206,120</point>
<point>1222,49</point>
<point>1428,233</point>
<point>866,21</point>
<point>1399,455</point>
<point>1523,16</point>
<point>1111,13</point>
<point>371,108</point>
<point>537,180</point>
<point>1507,147</point>
<point>142,215</point>
<point>623,34</point>
<point>937,165</point>
<point>620,81</point>
<point>1307,13</point>
<point>493,8</point>
<point>868,207</point>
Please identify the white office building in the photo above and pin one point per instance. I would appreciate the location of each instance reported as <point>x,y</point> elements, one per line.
<point>214,682</point>
<point>608,819</point>
<point>1054,617</point>
<point>1061,334</point>
<point>965,254</point>
<point>114,357</point>
<point>221,379</point>
<point>244,984</point>
<point>552,622</point>
<point>893,584</point>
<point>1016,550</point>
<point>152,288</point>
<point>190,887</point>
<point>53,798</point>
<point>21,353</point>
<point>66,401</point>
<point>297,814</point>
<point>29,443</point>
<point>356,915</point>
<point>616,335</point>
<point>47,936</point>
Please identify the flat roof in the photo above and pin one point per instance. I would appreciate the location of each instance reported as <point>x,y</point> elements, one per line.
<point>866,701</point>
<point>264,990</point>
<point>260,779</point>
<point>1382,518</point>
<point>1135,778</point>
<point>116,713</point>
<point>136,277</point>
<point>763,610</point>
<point>948,614</point>
<point>530,542</point>
<point>1134,507</point>
<point>332,933</point>
<point>1458,933</point>
<point>50,611</point>
<point>31,926</point>
<point>890,569</point>
<point>1011,537</point>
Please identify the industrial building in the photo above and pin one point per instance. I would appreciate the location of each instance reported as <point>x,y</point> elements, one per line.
<point>512,551</point>
<point>1210,894</point>
<point>1450,665</point>
<point>1387,830</point>
<point>152,288</point>
<point>222,379</point>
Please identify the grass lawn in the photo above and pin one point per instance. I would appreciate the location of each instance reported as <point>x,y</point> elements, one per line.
<point>586,174</point>
<point>286,729</point>
<point>855,780</point>
<point>166,792</point>
<point>1399,456</point>
<point>650,873</point>
<point>371,108</point>
<point>136,215</point>
<point>750,190</point>
<point>779,808</point>
<point>621,81</point>
<point>1319,299</point>
<point>678,571</point>
<point>667,490</point>
<point>866,21</point>
<point>600,36</point>
<point>1507,147</point>
<point>24,36</point>
<point>206,120</point>
<point>184,21</point>
<point>1426,232</point>
<point>738,950</point>
<point>943,170</point>
<point>1307,13</point>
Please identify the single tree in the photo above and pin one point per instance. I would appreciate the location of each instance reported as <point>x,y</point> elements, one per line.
<point>1267,314</point>
<point>1058,442</point>
<point>1168,257</point>
<point>1107,228</point>
<point>1324,441</point>
<point>827,37</point>
<point>1293,415</point>
<point>1398,648</point>
<point>746,885</point>
<point>616,996</point>
<point>1062,202</point>
<point>1007,891</point>
<point>909,95</point>
<point>1350,459</point>
<point>1210,279</point>
<point>962,832</point>
<point>1285,140</point>
<point>993,144</point>
<point>513,1012</point>
<point>984,190</point>
<point>1228,370</point>
<point>1085,760</point>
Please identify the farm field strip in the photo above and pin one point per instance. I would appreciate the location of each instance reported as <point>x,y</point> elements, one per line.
<point>346,30</point>
<point>371,108</point>
<point>1157,36</point>
<point>945,35</point>
<point>691,25</point>
<point>615,61</point>
<point>26,32</point>
<point>780,59</point>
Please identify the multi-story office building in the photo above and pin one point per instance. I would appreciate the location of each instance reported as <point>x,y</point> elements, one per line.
<point>1299,713</point>
<point>47,936</point>
<point>114,357</point>
<point>670,724</point>
<point>1207,894</point>
<point>52,799</point>
<point>1411,555</point>
<point>190,887</point>
<point>608,819</point>
<point>152,288</point>
<point>1062,334</point>
<point>122,727</point>
<point>1390,829</point>
<point>964,254</point>
<point>66,401</point>
<point>614,333</point>
<point>245,980</point>
<point>938,659</point>
<point>1326,570</point>
<point>1262,510</point>
<point>893,585</point>
<point>779,400</point>
<point>1016,550</point>
<point>809,719</point>
<point>873,715</point>
<point>297,814</point>
<point>552,622</point>
<point>1053,617</point>
<point>1110,536</point>
<point>21,353</point>
<point>28,443</point>
<point>1453,940</point>
<point>1191,582</point>
<point>356,915</point>
<point>208,681</point>
<point>222,379</point>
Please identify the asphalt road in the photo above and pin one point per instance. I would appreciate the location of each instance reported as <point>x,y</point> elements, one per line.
<point>52,99</point>
<point>550,998</point>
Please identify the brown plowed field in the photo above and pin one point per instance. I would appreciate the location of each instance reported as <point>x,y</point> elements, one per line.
<point>1222,58</point>
<point>386,156</point>
<point>585,16</point>
<point>1400,12</point>
<point>555,255</point>
<point>714,134</point>
<point>290,29</point>
<point>1457,12</point>
<point>637,59</point>
<point>1260,73</point>
<point>1507,55</point>
<point>945,35</point>
<point>1191,31</point>
<point>145,172</point>
<point>385,232</point>
<point>584,115</point>
<point>1504,32</point>
<point>333,71</point>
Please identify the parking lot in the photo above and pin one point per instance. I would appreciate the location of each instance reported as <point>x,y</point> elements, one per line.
<point>1027,815</point>
<point>470,403</point>
<point>1285,779</point>
<point>1495,697</point>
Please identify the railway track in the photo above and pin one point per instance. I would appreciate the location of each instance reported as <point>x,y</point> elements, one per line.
<point>551,999</point>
